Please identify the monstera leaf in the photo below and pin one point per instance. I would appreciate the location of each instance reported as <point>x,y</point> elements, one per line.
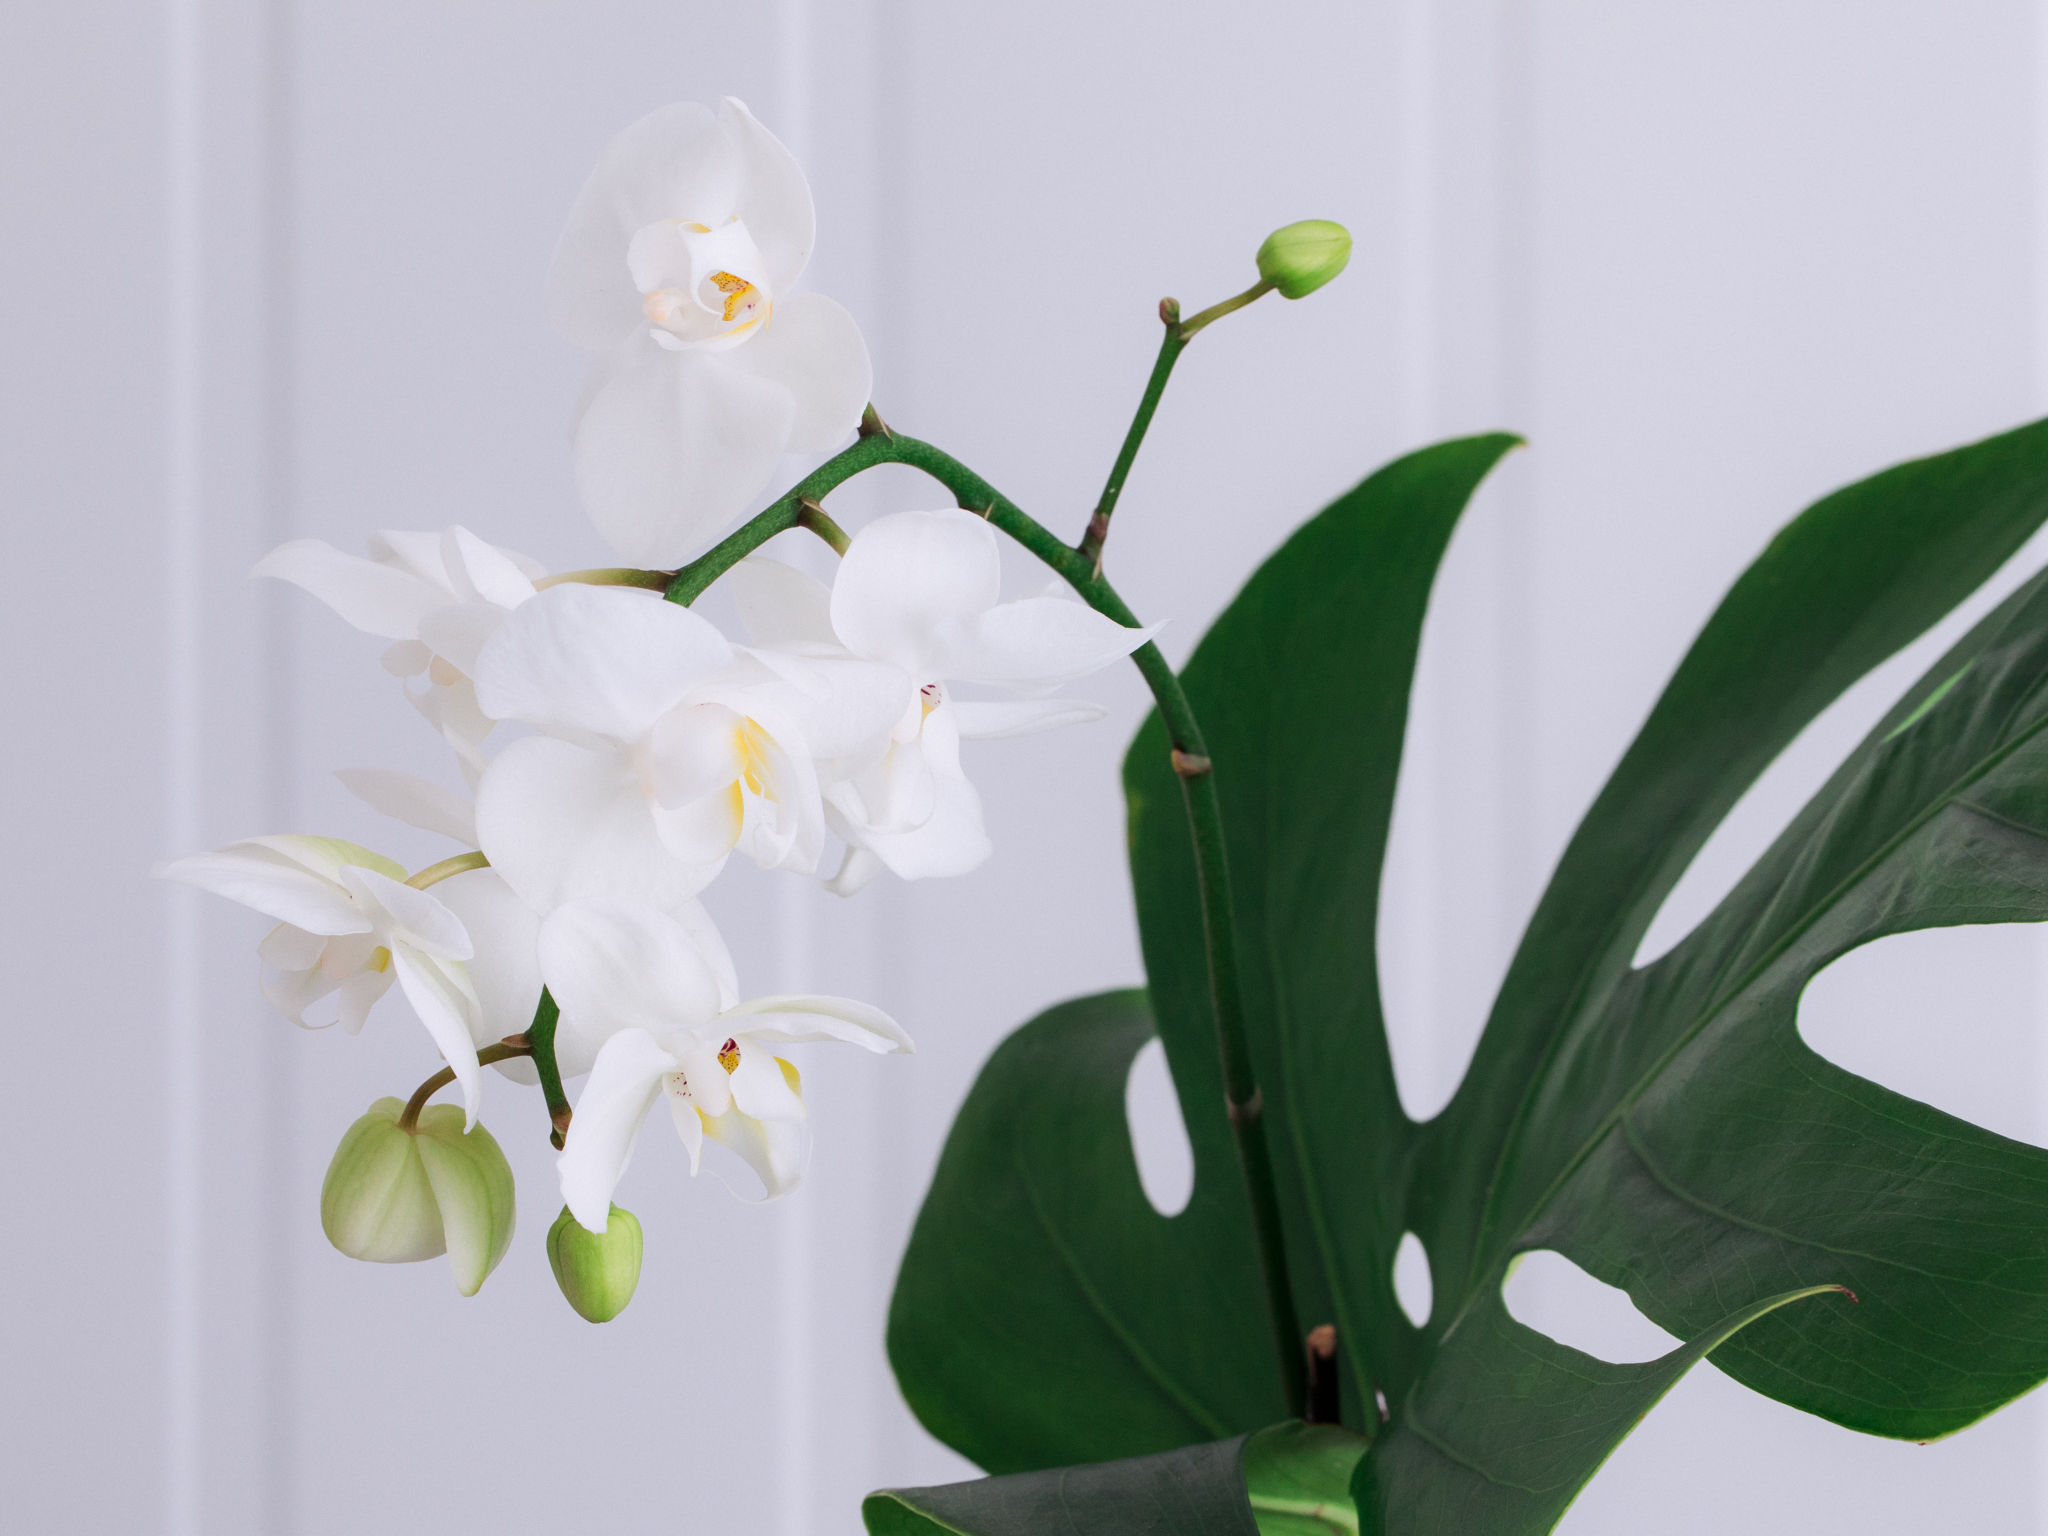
<point>1833,1244</point>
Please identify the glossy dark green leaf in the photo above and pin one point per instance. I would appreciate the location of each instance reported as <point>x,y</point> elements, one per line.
<point>1663,1127</point>
<point>1197,1491</point>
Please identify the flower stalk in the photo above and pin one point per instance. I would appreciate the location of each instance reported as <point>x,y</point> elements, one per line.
<point>1244,1104</point>
<point>504,1050</point>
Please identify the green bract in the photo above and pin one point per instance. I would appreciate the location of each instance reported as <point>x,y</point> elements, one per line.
<point>597,1271</point>
<point>1297,259</point>
<point>1664,1127</point>
<point>393,1196</point>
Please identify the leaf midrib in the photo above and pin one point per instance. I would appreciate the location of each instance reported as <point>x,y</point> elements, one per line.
<point>1486,1263</point>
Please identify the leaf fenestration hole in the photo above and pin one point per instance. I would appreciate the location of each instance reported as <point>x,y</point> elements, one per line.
<point>1159,1136</point>
<point>1948,1016</point>
<point>1413,1287</point>
<point>1546,1291</point>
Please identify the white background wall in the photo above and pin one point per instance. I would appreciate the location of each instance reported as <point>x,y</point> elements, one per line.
<point>272,269</point>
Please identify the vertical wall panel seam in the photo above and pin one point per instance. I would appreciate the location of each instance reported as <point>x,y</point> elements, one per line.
<point>181,749</point>
<point>277,729</point>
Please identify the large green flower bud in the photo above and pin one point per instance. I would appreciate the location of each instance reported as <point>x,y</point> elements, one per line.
<point>395,1195</point>
<point>597,1271</point>
<point>1299,258</point>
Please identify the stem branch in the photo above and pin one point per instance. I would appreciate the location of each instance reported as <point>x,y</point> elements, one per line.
<point>1170,346</point>
<point>504,1050</point>
<point>1243,1103</point>
<point>541,1038</point>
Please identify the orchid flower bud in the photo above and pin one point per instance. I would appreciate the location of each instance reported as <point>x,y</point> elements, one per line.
<point>1299,258</point>
<point>597,1271</point>
<point>396,1194</point>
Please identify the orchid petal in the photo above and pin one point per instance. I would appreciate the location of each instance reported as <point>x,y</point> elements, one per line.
<point>273,884</point>
<point>759,1090</point>
<point>672,446</point>
<point>908,576</point>
<point>458,632</point>
<point>607,660</point>
<point>773,200</point>
<point>1036,643</point>
<point>979,720</point>
<point>489,574</point>
<point>379,599</point>
<point>813,348</point>
<point>860,866</point>
<point>704,1078</point>
<point>781,606</point>
<point>623,1085</point>
<point>709,943</point>
<point>951,839</point>
<point>800,1017</point>
<point>505,969</point>
<point>675,163</point>
<point>689,1127</point>
<point>441,994</point>
<point>628,966</point>
<point>419,921</point>
<point>694,751</point>
<point>359,994</point>
<point>774,1149</point>
<point>413,800</point>
<point>844,708</point>
<point>559,822</point>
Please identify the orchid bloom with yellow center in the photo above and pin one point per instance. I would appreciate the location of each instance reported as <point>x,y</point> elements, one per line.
<point>674,1030</point>
<point>662,748</point>
<point>348,923</point>
<point>676,273</point>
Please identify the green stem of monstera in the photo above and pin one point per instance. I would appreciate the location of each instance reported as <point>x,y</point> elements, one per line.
<point>1243,1103</point>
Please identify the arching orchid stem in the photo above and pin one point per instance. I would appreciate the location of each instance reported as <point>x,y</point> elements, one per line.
<point>460,863</point>
<point>611,576</point>
<point>813,516</point>
<point>504,1050</point>
<point>1216,312</point>
<point>1243,1103</point>
<point>780,516</point>
<point>1170,346</point>
<point>540,1040</point>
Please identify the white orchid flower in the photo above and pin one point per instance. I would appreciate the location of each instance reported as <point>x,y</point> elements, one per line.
<point>349,924</point>
<point>920,591</point>
<point>664,749</point>
<point>676,270</point>
<point>435,596</point>
<point>671,1031</point>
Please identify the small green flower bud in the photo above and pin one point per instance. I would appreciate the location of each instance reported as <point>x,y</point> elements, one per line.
<point>1299,258</point>
<point>395,1196</point>
<point>597,1271</point>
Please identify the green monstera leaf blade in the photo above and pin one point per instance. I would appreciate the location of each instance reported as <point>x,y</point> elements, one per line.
<point>1662,1126</point>
<point>1038,1264</point>
<point>1508,1426</point>
<point>1197,1491</point>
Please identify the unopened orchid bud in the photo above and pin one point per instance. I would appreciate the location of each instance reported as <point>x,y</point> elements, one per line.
<point>597,1271</point>
<point>396,1194</point>
<point>1297,259</point>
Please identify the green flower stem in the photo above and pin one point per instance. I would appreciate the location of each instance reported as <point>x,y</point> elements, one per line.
<point>504,1050</point>
<point>786,513</point>
<point>611,576</point>
<point>1242,1100</point>
<point>1216,312</point>
<point>540,1039</point>
<point>1170,347</point>
<point>456,864</point>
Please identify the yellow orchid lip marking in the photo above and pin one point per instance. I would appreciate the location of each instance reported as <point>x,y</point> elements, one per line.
<point>736,291</point>
<point>729,1055</point>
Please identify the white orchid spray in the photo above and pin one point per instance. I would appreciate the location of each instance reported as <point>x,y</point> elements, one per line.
<point>620,749</point>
